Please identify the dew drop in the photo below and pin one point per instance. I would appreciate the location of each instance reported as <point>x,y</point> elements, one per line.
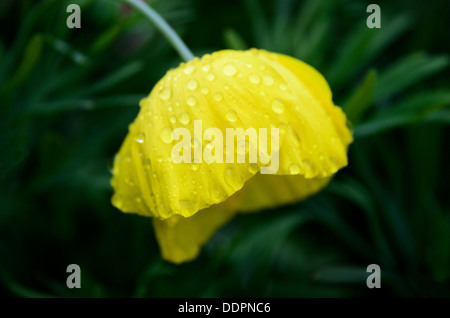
<point>189,69</point>
<point>211,77</point>
<point>229,70</point>
<point>205,90</point>
<point>206,68</point>
<point>140,137</point>
<point>217,194</point>
<point>147,163</point>
<point>191,101</point>
<point>294,168</point>
<point>255,79</point>
<point>165,93</point>
<point>194,167</point>
<point>232,178</point>
<point>283,128</point>
<point>307,164</point>
<point>253,168</point>
<point>162,209</point>
<point>231,116</point>
<point>184,118</point>
<point>192,84</point>
<point>188,205</point>
<point>173,119</point>
<point>166,135</point>
<point>218,96</point>
<point>117,201</point>
<point>268,80</point>
<point>283,86</point>
<point>278,106</point>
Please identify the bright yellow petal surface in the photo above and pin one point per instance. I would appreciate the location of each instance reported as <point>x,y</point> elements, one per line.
<point>254,89</point>
<point>228,89</point>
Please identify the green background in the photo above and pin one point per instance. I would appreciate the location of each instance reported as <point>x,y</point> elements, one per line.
<point>67,97</point>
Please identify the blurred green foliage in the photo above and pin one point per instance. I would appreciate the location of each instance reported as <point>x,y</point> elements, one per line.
<point>67,97</point>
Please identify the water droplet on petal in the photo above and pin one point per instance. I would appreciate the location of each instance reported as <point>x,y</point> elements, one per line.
<point>283,128</point>
<point>147,163</point>
<point>189,69</point>
<point>140,137</point>
<point>188,205</point>
<point>231,116</point>
<point>268,80</point>
<point>166,135</point>
<point>165,93</point>
<point>205,90</point>
<point>206,68</point>
<point>278,106</point>
<point>294,168</point>
<point>232,178</point>
<point>218,96</point>
<point>192,84</point>
<point>194,167</point>
<point>283,86</point>
<point>253,168</point>
<point>191,101</point>
<point>184,118</point>
<point>217,194</point>
<point>173,119</point>
<point>229,70</point>
<point>211,77</point>
<point>117,200</point>
<point>255,79</point>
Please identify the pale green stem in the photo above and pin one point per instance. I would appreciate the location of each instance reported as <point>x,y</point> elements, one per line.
<point>164,27</point>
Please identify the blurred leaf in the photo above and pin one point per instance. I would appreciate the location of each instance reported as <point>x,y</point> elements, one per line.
<point>358,194</point>
<point>342,275</point>
<point>362,46</point>
<point>391,211</point>
<point>361,99</point>
<point>259,23</point>
<point>233,40</point>
<point>85,104</point>
<point>407,72</point>
<point>414,109</point>
<point>325,213</point>
<point>440,116</point>
<point>30,58</point>
<point>109,81</point>
<point>66,49</point>
<point>22,37</point>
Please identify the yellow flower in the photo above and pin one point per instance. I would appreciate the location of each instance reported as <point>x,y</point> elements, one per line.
<point>227,89</point>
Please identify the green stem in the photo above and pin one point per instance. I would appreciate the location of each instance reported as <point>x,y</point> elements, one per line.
<point>164,27</point>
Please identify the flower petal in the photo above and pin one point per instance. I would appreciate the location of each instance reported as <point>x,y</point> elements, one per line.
<point>228,89</point>
<point>180,239</point>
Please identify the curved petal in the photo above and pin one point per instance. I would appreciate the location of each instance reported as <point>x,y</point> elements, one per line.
<point>228,89</point>
<point>180,239</point>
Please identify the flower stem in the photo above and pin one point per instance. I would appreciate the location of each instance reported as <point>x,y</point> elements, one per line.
<point>163,27</point>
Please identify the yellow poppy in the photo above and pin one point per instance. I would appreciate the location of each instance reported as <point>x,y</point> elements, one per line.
<point>227,89</point>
